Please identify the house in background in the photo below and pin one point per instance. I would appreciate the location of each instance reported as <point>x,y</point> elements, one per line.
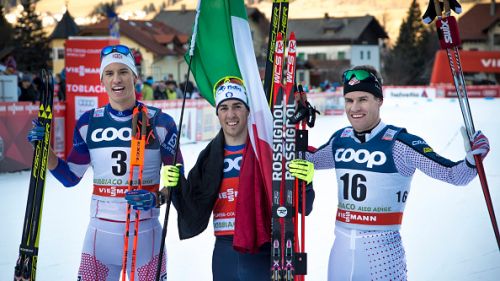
<point>161,47</point>
<point>65,28</point>
<point>479,30</point>
<point>330,45</point>
<point>183,20</point>
<point>326,46</point>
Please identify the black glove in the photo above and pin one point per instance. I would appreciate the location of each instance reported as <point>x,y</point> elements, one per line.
<point>430,13</point>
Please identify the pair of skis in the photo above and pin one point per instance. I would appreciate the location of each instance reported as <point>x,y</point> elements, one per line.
<point>285,258</point>
<point>137,146</point>
<point>449,39</point>
<point>25,268</point>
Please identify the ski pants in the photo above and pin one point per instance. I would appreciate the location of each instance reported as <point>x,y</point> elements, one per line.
<point>231,265</point>
<point>102,252</point>
<point>366,255</point>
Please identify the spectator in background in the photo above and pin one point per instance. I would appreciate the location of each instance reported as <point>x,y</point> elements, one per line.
<point>170,79</point>
<point>38,84</point>
<point>160,91</point>
<point>138,60</point>
<point>147,89</point>
<point>172,91</point>
<point>11,65</point>
<point>138,89</point>
<point>28,91</point>
<point>61,93</point>
<point>188,85</point>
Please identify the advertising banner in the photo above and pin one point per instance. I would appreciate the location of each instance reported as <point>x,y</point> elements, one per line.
<point>16,153</point>
<point>409,92</point>
<point>83,86</point>
<point>472,62</point>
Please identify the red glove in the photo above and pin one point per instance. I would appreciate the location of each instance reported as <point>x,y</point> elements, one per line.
<point>478,146</point>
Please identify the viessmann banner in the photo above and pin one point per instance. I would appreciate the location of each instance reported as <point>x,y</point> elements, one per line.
<point>472,62</point>
<point>83,86</point>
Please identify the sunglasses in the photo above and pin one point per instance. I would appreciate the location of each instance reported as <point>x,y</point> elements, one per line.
<point>360,74</point>
<point>121,49</point>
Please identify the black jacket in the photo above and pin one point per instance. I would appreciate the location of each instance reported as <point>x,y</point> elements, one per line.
<point>196,196</point>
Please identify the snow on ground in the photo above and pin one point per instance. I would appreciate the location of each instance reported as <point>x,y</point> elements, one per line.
<point>446,229</point>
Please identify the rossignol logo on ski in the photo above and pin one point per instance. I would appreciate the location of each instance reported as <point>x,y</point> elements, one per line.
<point>110,134</point>
<point>361,156</point>
<point>277,141</point>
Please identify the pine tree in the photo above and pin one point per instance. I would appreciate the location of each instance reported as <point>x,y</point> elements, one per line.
<point>152,8</point>
<point>5,29</point>
<point>32,48</point>
<point>407,61</point>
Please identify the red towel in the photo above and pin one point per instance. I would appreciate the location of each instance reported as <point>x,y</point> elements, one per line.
<point>253,207</point>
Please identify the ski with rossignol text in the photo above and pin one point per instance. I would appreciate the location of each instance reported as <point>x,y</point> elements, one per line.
<point>283,188</point>
<point>25,268</point>
<point>278,24</point>
<point>289,155</point>
<point>278,210</point>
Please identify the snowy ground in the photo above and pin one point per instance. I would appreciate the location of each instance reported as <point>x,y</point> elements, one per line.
<point>446,229</point>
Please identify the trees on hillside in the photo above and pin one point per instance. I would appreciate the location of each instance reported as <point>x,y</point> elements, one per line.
<point>410,61</point>
<point>6,30</point>
<point>30,42</point>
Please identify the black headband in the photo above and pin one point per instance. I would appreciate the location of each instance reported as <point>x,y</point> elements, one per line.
<point>370,85</point>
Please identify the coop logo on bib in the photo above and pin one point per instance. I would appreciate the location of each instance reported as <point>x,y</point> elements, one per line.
<point>110,134</point>
<point>361,156</point>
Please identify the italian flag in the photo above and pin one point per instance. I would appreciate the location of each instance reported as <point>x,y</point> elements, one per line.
<point>224,47</point>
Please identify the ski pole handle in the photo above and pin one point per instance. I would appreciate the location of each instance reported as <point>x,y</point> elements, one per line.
<point>448,33</point>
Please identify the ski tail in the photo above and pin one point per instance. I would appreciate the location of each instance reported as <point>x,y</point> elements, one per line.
<point>278,24</point>
<point>25,268</point>
<point>138,146</point>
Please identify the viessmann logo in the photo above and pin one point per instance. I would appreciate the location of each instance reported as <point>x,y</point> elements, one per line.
<point>110,134</point>
<point>490,62</point>
<point>82,70</point>
<point>361,156</point>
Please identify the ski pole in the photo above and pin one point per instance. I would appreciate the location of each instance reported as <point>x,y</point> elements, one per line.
<point>449,40</point>
<point>176,150</point>
<point>137,145</point>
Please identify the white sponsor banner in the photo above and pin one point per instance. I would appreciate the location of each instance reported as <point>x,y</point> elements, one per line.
<point>8,88</point>
<point>83,104</point>
<point>409,92</point>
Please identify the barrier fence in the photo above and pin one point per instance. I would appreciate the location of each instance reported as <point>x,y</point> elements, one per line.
<point>200,122</point>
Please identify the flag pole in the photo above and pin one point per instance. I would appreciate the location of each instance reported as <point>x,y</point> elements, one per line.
<point>176,151</point>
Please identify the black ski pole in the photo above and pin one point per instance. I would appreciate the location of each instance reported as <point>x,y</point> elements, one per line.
<point>169,198</point>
